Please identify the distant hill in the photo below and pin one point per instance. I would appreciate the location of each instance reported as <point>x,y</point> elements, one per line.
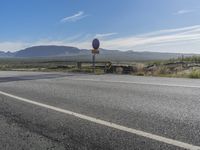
<point>73,53</point>
<point>6,54</point>
<point>47,51</point>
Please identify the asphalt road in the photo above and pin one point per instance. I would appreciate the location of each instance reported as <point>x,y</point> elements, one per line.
<point>89,112</point>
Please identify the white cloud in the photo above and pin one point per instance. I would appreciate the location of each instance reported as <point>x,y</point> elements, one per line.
<point>178,40</point>
<point>185,40</point>
<point>74,18</point>
<point>12,46</point>
<point>184,11</point>
<point>105,35</point>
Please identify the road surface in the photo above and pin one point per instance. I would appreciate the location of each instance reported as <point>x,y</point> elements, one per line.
<point>88,112</point>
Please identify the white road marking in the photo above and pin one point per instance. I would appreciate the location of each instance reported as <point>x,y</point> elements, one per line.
<point>130,82</point>
<point>107,124</point>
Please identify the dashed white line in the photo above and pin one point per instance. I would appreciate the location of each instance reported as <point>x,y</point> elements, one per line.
<point>107,124</point>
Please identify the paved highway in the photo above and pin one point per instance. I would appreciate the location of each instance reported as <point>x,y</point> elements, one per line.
<point>89,112</point>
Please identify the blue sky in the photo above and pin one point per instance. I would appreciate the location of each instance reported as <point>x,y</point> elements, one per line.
<point>139,25</point>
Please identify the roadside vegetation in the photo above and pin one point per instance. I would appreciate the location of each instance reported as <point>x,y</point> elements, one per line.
<point>187,67</point>
<point>184,67</point>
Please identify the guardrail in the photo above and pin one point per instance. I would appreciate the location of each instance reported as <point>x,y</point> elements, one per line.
<point>106,65</point>
<point>109,67</point>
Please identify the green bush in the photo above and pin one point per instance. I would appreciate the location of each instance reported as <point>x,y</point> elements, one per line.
<point>195,74</point>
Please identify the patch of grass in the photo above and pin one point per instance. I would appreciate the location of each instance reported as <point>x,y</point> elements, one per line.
<point>140,74</point>
<point>86,70</point>
<point>80,70</point>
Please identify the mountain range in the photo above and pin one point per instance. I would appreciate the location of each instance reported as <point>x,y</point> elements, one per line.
<point>53,51</point>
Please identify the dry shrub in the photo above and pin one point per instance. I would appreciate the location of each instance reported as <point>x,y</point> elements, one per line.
<point>140,67</point>
<point>162,71</point>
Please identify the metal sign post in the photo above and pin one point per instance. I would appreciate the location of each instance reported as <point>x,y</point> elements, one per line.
<point>95,45</point>
<point>93,62</point>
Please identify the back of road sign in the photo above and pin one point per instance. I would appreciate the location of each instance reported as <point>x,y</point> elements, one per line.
<point>96,44</point>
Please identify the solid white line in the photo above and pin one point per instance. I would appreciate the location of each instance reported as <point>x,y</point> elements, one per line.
<point>130,82</point>
<point>107,124</point>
